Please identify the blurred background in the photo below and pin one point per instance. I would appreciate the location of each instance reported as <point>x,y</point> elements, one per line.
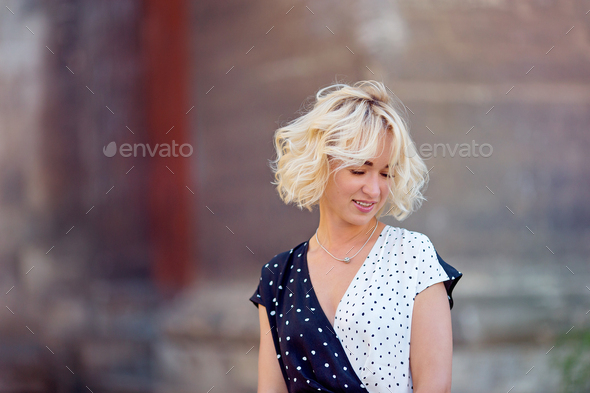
<point>136,209</point>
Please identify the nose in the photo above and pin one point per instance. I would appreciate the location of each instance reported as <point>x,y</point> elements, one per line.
<point>371,186</point>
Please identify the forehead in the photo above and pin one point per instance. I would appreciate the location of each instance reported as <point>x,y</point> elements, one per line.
<point>372,163</point>
<point>379,152</point>
<point>383,150</point>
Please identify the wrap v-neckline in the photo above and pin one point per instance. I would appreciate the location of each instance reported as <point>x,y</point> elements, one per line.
<point>350,285</point>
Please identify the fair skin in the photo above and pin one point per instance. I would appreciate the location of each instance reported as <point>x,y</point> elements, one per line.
<point>343,229</point>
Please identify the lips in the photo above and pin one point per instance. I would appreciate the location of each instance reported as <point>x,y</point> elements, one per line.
<point>364,203</point>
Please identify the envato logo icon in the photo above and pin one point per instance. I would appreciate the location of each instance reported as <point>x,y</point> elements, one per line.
<point>140,150</point>
<point>464,150</point>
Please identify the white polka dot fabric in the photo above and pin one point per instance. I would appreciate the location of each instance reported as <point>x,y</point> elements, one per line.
<point>373,319</point>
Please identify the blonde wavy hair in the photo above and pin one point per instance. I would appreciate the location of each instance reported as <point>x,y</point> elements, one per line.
<point>347,124</point>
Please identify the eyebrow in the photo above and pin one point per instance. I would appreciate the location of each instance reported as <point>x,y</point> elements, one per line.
<point>369,163</point>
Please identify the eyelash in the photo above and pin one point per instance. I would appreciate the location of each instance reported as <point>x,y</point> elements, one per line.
<point>361,172</point>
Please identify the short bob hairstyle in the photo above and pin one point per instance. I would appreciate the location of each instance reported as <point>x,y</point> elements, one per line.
<point>346,126</point>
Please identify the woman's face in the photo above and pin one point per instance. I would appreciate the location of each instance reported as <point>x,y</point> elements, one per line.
<point>356,194</point>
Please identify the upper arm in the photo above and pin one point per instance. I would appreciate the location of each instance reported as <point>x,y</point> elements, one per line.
<point>431,348</point>
<point>270,377</point>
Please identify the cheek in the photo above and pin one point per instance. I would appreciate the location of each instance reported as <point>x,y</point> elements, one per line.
<point>345,184</point>
<point>336,191</point>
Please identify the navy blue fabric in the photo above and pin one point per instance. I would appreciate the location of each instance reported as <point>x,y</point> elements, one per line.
<point>302,334</point>
<point>454,276</point>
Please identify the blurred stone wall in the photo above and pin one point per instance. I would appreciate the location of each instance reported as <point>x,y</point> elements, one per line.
<point>514,75</point>
<point>74,253</point>
<point>450,63</point>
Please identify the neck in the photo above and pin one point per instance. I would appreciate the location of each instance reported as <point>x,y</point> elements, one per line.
<point>334,233</point>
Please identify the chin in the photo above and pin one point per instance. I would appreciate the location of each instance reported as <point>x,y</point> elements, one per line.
<point>361,219</point>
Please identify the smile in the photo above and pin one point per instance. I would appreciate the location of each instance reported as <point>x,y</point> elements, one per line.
<point>364,204</point>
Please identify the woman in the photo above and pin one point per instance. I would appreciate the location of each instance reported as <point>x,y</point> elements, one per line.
<point>338,310</point>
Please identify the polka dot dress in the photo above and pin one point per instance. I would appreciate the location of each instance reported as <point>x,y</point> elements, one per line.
<point>368,349</point>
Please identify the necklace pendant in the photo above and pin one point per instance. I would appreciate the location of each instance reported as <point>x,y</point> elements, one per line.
<point>347,260</point>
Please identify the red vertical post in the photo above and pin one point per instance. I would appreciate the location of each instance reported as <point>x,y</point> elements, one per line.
<point>167,91</point>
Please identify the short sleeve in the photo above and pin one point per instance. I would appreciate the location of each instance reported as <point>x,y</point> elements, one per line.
<point>263,293</point>
<point>432,269</point>
<point>256,298</point>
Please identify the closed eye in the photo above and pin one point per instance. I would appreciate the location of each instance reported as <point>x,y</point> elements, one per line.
<point>355,172</point>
